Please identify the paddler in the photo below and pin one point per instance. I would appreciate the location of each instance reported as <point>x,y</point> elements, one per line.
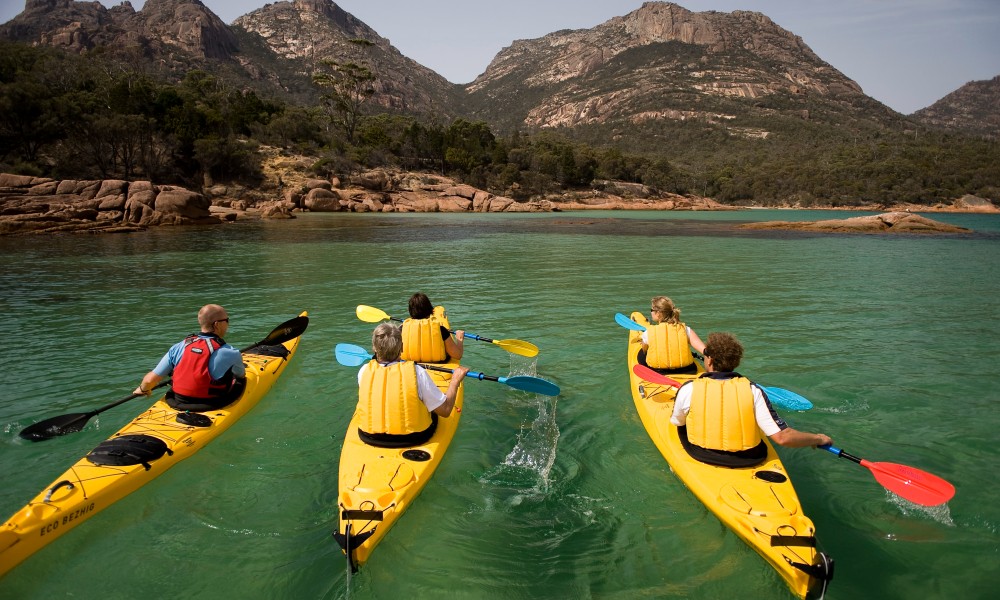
<point>425,338</point>
<point>666,345</point>
<point>721,415</point>
<point>398,402</point>
<point>207,372</point>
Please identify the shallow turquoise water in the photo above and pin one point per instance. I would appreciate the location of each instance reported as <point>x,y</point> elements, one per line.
<point>894,339</point>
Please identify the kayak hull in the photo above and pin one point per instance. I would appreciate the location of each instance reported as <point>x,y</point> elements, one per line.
<point>377,485</point>
<point>86,488</point>
<point>759,504</point>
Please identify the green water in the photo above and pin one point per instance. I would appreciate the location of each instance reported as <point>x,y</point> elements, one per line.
<point>894,339</point>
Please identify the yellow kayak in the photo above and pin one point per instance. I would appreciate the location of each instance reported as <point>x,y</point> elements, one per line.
<point>140,451</point>
<point>377,485</point>
<point>759,503</point>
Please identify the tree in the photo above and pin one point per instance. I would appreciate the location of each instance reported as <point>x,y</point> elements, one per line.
<point>350,86</point>
<point>468,145</point>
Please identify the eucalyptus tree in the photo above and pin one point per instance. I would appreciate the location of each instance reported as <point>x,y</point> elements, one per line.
<point>350,86</point>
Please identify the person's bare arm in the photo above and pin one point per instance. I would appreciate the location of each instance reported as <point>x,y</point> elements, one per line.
<point>793,438</point>
<point>455,345</point>
<point>148,383</point>
<point>452,394</point>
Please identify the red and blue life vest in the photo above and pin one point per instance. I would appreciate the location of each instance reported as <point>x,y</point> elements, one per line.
<point>192,378</point>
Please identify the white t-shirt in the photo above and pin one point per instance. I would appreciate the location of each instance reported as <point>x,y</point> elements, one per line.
<point>430,394</point>
<point>767,419</point>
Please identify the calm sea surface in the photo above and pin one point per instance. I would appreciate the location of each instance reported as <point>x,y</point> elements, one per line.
<point>896,340</point>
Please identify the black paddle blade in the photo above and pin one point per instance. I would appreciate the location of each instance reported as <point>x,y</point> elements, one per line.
<point>54,427</point>
<point>289,330</point>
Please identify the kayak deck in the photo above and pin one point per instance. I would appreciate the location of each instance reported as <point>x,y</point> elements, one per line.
<point>377,485</point>
<point>87,488</point>
<point>759,503</point>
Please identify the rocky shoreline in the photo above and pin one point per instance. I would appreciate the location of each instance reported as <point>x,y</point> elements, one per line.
<point>890,222</point>
<point>32,205</point>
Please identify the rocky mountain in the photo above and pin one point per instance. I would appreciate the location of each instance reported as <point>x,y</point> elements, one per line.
<point>973,108</point>
<point>664,62</point>
<point>174,31</point>
<point>302,33</point>
<point>657,67</point>
<point>274,49</point>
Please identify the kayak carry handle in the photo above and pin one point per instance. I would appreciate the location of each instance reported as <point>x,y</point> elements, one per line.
<point>52,490</point>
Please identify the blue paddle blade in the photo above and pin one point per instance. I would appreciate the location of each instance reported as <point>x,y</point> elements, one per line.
<point>527,383</point>
<point>786,399</point>
<point>628,323</point>
<point>351,355</point>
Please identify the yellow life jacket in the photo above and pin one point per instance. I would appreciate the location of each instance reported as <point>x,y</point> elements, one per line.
<point>722,415</point>
<point>389,401</point>
<point>668,346</point>
<point>422,339</point>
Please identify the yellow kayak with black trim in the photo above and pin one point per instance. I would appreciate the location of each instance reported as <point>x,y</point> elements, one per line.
<point>136,454</point>
<point>376,485</point>
<point>758,503</point>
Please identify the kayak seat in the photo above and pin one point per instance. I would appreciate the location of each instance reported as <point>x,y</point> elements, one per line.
<point>126,450</point>
<point>196,405</point>
<point>688,370</point>
<point>387,440</point>
<point>719,458</point>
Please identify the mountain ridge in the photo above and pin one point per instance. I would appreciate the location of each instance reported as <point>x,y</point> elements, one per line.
<point>742,56</point>
<point>660,64</point>
<point>973,108</point>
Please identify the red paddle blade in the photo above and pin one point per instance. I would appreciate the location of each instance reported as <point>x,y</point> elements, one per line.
<point>654,377</point>
<point>919,487</point>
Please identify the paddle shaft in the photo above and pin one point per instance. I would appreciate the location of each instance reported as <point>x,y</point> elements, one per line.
<point>124,400</point>
<point>473,374</point>
<point>467,334</point>
<point>843,454</point>
<point>351,355</point>
<point>370,314</point>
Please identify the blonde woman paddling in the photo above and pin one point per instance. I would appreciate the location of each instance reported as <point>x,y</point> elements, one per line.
<point>667,343</point>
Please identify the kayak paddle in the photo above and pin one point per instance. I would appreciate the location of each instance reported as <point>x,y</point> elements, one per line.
<point>370,314</point>
<point>919,487</point>
<point>74,422</point>
<point>628,323</point>
<point>351,355</point>
<point>777,396</point>
<point>653,377</point>
<point>786,398</point>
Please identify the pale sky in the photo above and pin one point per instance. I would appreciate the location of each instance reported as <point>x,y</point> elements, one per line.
<point>905,53</point>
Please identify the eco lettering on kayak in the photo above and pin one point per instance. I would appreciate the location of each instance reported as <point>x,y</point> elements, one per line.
<point>76,514</point>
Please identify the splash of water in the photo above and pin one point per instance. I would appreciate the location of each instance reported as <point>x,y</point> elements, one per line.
<point>529,464</point>
<point>535,450</point>
<point>940,513</point>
